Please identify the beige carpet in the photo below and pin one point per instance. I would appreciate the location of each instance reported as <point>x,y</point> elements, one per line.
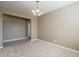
<point>36,48</point>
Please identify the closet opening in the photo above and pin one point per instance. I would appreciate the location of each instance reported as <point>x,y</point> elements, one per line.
<point>16,28</point>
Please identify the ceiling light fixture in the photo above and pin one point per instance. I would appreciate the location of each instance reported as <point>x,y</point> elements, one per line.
<point>37,11</point>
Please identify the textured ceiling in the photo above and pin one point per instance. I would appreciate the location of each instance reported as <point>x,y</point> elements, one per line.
<point>26,7</point>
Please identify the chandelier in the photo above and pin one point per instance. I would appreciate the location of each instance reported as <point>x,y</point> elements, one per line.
<point>37,11</point>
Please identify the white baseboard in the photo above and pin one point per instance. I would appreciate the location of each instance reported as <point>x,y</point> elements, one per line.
<point>33,40</point>
<point>76,51</point>
<point>10,40</point>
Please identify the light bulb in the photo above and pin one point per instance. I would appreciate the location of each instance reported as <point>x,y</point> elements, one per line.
<point>37,10</point>
<point>34,12</point>
<point>39,14</point>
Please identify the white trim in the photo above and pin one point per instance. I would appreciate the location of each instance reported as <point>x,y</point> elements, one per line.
<point>10,40</point>
<point>76,51</point>
<point>33,40</point>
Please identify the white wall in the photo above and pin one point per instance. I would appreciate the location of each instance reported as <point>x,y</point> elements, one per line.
<point>34,28</point>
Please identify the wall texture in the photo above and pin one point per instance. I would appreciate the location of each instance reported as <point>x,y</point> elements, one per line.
<point>14,27</point>
<point>61,25</point>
